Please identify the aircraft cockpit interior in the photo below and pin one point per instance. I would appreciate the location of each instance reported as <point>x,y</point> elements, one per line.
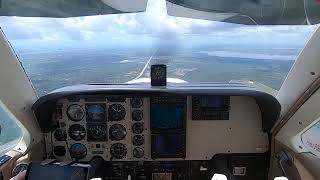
<point>159,90</point>
<point>164,131</point>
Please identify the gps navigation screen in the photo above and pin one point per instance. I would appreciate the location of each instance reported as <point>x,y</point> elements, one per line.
<point>167,116</point>
<point>168,145</point>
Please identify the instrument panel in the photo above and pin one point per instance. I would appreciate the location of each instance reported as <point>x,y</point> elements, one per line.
<point>112,128</point>
<point>153,128</point>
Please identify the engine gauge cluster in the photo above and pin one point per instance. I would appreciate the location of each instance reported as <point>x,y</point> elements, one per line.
<point>137,127</point>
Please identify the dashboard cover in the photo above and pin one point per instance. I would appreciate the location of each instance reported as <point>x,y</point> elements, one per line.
<point>268,104</point>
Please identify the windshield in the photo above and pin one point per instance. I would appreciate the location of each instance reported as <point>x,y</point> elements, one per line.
<point>58,52</point>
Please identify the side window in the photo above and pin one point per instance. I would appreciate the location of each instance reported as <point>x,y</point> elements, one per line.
<point>10,132</point>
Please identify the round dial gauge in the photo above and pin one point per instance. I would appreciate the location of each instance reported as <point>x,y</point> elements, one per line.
<point>77,132</point>
<point>19,168</point>
<point>136,102</point>
<point>138,140</point>
<point>78,151</point>
<point>137,128</point>
<point>138,152</point>
<point>97,133</point>
<point>60,135</point>
<point>118,150</point>
<point>59,151</point>
<point>95,112</point>
<point>116,112</point>
<point>75,112</point>
<point>117,132</point>
<point>137,115</point>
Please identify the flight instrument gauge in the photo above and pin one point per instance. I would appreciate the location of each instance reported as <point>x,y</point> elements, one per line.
<point>117,132</point>
<point>137,115</point>
<point>60,134</point>
<point>75,112</point>
<point>118,150</point>
<point>97,132</point>
<point>137,128</point>
<point>116,112</point>
<point>138,152</point>
<point>77,132</point>
<point>59,150</point>
<point>138,140</point>
<point>136,102</point>
<point>78,151</point>
<point>95,112</point>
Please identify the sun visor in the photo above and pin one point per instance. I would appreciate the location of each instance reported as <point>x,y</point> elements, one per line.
<point>69,8</point>
<point>249,12</point>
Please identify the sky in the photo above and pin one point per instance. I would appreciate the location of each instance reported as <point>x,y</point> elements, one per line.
<point>147,27</point>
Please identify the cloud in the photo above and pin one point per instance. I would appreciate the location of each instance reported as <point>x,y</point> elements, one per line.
<point>154,23</point>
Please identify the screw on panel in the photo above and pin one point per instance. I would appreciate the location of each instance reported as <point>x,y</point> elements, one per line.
<point>312,73</point>
<point>300,122</point>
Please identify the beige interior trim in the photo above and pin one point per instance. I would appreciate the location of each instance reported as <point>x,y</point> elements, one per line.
<point>17,94</point>
<point>303,73</point>
<point>303,171</point>
<point>297,104</point>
